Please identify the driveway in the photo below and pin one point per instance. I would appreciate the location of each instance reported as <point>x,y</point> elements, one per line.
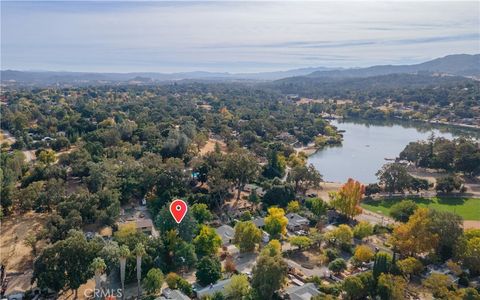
<point>316,271</point>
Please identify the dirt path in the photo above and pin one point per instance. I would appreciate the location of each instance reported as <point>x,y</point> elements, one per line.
<point>471,224</point>
<point>6,137</point>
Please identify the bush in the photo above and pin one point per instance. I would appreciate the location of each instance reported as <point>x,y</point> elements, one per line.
<point>362,230</point>
<point>338,265</point>
<point>172,280</point>
<point>331,254</point>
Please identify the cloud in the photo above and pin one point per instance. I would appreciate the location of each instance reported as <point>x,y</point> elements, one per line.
<point>231,36</point>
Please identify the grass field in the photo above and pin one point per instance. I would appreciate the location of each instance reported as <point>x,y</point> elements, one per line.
<point>468,208</point>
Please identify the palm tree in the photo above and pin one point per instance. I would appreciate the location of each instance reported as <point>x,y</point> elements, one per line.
<point>139,252</point>
<point>98,266</point>
<point>124,253</point>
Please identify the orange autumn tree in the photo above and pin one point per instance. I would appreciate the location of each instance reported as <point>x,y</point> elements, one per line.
<point>347,199</point>
<point>415,237</point>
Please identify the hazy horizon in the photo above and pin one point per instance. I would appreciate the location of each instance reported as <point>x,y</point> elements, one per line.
<point>233,37</point>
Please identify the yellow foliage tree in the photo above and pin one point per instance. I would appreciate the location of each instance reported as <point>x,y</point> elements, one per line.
<point>347,199</point>
<point>276,222</point>
<point>363,253</point>
<point>414,237</point>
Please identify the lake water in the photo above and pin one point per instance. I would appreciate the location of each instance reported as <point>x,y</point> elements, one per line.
<point>366,145</point>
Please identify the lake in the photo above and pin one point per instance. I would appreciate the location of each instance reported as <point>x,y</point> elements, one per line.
<point>366,145</point>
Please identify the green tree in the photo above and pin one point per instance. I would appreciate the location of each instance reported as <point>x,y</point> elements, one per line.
<point>185,256</point>
<point>46,157</point>
<point>394,177</point>
<point>362,230</point>
<point>209,270</point>
<point>124,254</point>
<point>247,235</point>
<point>467,157</point>
<point>301,242</point>
<point>207,241</point>
<point>448,184</point>
<point>337,265</point>
<point>402,210</point>
<point>139,252</point>
<point>238,288</point>
<point>359,286</point>
<point>219,186</point>
<point>165,222</point>
<point>31,241</point>
<point>470,254</point>
<point>354,288</point>
<point>382,264</point>
<point>98,266</point>
<point>342,235</point>
<point>391,287</point>
<point>410,266</point>
<point>304,178</point>
<point>201,213</point>
<point>269,272</point>
<point>241,167</point>
<point>275,166</point>
<point>440,285</point>
<point>172,280</point>
<point>317,206</point>
<point>448,227</point>
<point>152,283</point>
<point>66,263</point>
<point>279,195</point>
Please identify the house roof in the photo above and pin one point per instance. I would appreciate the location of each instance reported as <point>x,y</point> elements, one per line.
<point>259,221</point>
<point>304,292</point>
<point>212,289</point>
<point>172,295</point>
<point>296,219</point>
<point>144,223</point>
<point>226,232</point>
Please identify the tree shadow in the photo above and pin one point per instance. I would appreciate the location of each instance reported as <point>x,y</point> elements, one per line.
<point>451,201</point>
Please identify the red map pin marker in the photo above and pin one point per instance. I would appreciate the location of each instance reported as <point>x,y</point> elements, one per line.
<point>178,209</point>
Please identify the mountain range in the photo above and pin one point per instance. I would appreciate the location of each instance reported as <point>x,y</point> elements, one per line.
<point>458,64</point>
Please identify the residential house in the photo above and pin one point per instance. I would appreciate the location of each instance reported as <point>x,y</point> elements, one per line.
<point>297,222</point>
<point>227,233</point>
<point>144,225</point>
<point>259,222</point>
<point>304,292</point>
<point>253,187</point>
<point>169,294</point>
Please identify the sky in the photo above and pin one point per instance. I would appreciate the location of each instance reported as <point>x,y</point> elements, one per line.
<point>231,36</point>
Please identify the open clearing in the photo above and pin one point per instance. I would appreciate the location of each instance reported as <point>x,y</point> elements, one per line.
<point>468,208</point>
<point>210,146</point>
<point>16,256</point>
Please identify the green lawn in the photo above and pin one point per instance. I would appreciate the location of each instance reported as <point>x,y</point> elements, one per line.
<point>468,208</point>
